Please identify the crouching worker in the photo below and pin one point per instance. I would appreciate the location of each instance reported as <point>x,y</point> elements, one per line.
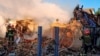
<point>87,43</point>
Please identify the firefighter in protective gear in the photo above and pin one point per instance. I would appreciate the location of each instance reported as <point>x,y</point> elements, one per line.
<point>10,35</point>
<point>87,40</point>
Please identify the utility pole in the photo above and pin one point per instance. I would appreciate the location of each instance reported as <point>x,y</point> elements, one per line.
<point>56,51</point>
<point>39,41</point>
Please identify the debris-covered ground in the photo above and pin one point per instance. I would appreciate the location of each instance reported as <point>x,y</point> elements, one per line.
<point>30,49</point>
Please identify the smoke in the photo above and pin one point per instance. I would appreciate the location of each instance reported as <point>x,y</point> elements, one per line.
<point>35,8</point>
<point>2,27</point>
<point>43,12</point>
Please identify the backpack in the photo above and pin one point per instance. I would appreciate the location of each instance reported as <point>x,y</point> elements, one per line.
<point>87,40</point>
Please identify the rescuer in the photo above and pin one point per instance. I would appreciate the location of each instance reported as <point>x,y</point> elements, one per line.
<point>98,41</point>
<point>10,34</point>
<point>86,40</point>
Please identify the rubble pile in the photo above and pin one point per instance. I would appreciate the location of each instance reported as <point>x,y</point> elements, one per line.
<point>28,47</point>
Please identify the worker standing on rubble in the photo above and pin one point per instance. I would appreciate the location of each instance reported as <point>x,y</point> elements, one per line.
<point>98,41</point>
<point>86,40</point>
<point>10,34</point>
